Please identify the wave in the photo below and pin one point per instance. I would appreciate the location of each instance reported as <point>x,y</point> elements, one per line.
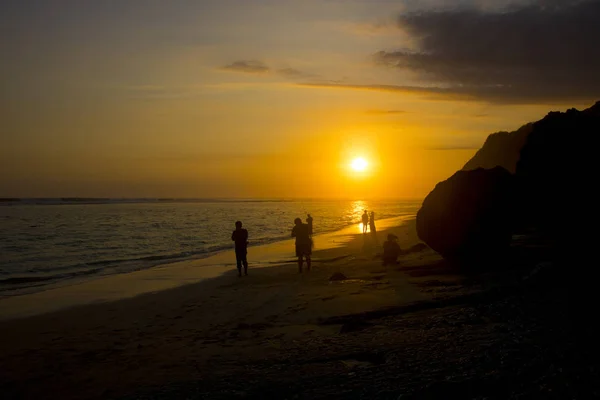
<point>32,281</point>
<point>117,261</point>
<point>25,279</point>
<point>101,267</point>
<point>110,266</point>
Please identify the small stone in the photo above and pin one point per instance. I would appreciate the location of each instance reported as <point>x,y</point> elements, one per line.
<point>338,276</point>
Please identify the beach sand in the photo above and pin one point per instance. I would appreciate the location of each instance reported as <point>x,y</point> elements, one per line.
<point>416,329</point>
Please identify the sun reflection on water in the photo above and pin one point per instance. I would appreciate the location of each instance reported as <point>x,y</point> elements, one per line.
<point>358,208</point>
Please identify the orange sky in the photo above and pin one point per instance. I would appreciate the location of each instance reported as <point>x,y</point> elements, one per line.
<point>251,99</point>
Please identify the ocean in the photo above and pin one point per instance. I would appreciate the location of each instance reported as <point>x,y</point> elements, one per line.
<point>48,241</point>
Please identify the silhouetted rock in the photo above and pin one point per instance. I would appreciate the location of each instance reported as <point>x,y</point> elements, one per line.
<point>554,171</point>
<point>338,276</point>
<point>556,181</point>
<point>500,149</point>
<point>469,215</point>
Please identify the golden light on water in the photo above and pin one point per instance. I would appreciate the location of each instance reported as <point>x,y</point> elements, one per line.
<point>359,164</point>
<point>358,207</point>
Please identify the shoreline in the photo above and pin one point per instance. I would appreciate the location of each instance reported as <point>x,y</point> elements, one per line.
<point>44,248</point>
<point>18,283</point>
<point>110,348</point>
<point>115,287</point>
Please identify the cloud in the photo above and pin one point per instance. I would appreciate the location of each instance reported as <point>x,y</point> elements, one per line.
<point>290,72</point>
<point>380,27</point>
<point>431,92</point>
<point>480,5</point>
<point>535,53</point>
<point>384,112</point>
<point>258,67</point>
<point>247,67</point>
<point>294,73</point>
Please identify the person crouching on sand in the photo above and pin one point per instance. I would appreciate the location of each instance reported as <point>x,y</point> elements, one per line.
<point>240,237</point>
<point>303,243</point>
<point>391,250</point>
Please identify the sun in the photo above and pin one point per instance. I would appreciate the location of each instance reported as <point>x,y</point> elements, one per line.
<point>359,164</point>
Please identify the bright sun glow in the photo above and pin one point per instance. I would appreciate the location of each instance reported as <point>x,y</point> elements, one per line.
<point>359,164</point>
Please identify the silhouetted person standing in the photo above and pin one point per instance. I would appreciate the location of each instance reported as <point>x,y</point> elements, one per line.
<point>391,250</point>
<point>309,221</point>
<point>372,223</point>
<point>240,237</point>
<point>303,243</point>
<point>365,221</point>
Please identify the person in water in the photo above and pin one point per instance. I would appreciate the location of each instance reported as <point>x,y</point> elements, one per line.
<point>365,221</point>
<point>309,221</point>
<point>372,223</point>
<point>240,237</point>
<point>303,243</point>
<point>391,250</point>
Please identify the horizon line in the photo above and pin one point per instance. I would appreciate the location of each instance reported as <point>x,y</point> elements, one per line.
<point>79,198</point>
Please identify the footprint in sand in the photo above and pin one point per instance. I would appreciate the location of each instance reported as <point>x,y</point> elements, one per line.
<point>328,298</point>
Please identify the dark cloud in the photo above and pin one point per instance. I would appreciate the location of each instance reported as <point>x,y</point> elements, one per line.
<point>247,67</point>
<point>384,112</point>
<point>258,67</point>
<point>541,53</point>
<point>294,73</point>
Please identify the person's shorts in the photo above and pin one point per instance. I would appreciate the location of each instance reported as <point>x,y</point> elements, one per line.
<point>303,249</point>
<point>240,254</point>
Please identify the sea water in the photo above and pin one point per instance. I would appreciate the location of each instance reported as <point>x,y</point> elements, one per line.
<point>45,241</point>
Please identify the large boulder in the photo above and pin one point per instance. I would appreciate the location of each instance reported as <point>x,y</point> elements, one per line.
<point>469,215</point>
<point>556,172</point>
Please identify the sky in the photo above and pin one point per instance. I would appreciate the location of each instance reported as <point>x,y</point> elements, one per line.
<point>275,98</point>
